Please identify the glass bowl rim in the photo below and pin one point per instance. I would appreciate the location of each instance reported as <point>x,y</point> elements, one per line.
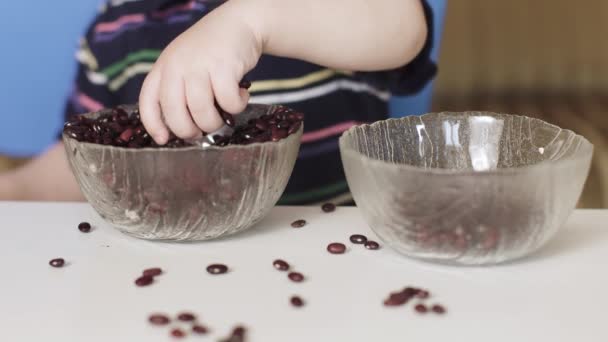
<point>585,152</point>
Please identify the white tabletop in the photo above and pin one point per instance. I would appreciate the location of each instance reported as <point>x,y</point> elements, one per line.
<point>558,294</point>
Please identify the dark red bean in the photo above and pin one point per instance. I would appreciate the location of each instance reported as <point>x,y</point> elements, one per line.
<point>396,299</point>
<point>126,135</point>
<point>139,130</point>
<point>186,317</point>
<point>296,277</point>
<point>280,265</point>
<point>115,128</point>
<point>336,248</point>
<point>328,207</point>
<point>438,309</point>
<point>261,125</point>
<point>159,319</point>
<point>239,332</point>
<point>84,227</point>
<point>120,112</point>
<point>403,296</point>
<point>178,333</point>
<point>217,269</point>
<point>294,127</point>
<point>228,118</point>
<point>298,223</point>
<point>237,335</point>
<point>372,245</point>
<point>59,262</point>
<point>296,301</point>
<point>200,329</point>
<point>144,281</point>
<point>284,125</point>
<point>421,308</point>
<point>245,84</point>
<point>358,239</point>
<point>278,134</point>
<point>152,272</point>
<point>411,291</point>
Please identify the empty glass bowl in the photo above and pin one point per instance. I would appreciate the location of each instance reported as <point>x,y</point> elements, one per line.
<point>186,193</point>
<point>465,188</point>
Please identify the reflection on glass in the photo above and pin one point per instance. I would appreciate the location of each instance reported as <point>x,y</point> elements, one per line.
<point>484,139</point>
<point>450,129</point>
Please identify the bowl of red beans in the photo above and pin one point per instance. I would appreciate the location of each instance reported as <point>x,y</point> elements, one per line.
<point>183,190</point>
<point>465,188</point>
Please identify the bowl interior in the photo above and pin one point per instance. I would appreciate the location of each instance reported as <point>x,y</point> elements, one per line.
<point>469,141</point>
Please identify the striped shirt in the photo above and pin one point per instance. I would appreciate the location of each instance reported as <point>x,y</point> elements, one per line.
<point>122,44</point>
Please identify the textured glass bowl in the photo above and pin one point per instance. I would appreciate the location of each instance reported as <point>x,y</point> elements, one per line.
<point>187,193</point>
<point>465,188</point>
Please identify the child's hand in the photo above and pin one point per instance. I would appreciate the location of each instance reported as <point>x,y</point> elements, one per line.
<point>201,66</point>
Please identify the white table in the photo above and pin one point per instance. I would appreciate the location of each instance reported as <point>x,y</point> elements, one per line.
<point>558,294</point>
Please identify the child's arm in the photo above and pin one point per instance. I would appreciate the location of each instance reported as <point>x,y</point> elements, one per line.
<point>47,177</point>
<point>358,35</point>
<point>207,61</point>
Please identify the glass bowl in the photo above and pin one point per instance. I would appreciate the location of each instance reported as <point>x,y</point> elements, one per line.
<point>190,193</point>
<point>466,188</point>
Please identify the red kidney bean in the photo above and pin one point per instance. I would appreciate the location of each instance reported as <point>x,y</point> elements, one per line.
<point>152,272</point>
<point>396,299</point>
<point>328,207</point>
<point>200,329</point>
<point>59,262</point>
<point>298,223</point>
<point>217,269</point>
<point>358,239</point>
<point>238,335</point>
<point>296,301</point>
<point>245,84</point>
<point>336,248</point>
<point>296,277</point>
<point>294,127</point>
<point>373,245</point>
<point>126,135</point>
<point>280,265</point>
<point>178,333</point>
<point>159,319</point>
<point>186,317</point>
<point>421,308</point>
<point>144,281</point>
<point>438,309</point>
<point>228,118</point>
<point>84,227</point>
<point>278,134</point>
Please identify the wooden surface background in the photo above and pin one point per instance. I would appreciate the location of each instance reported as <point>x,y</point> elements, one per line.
<point>541,58</point>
